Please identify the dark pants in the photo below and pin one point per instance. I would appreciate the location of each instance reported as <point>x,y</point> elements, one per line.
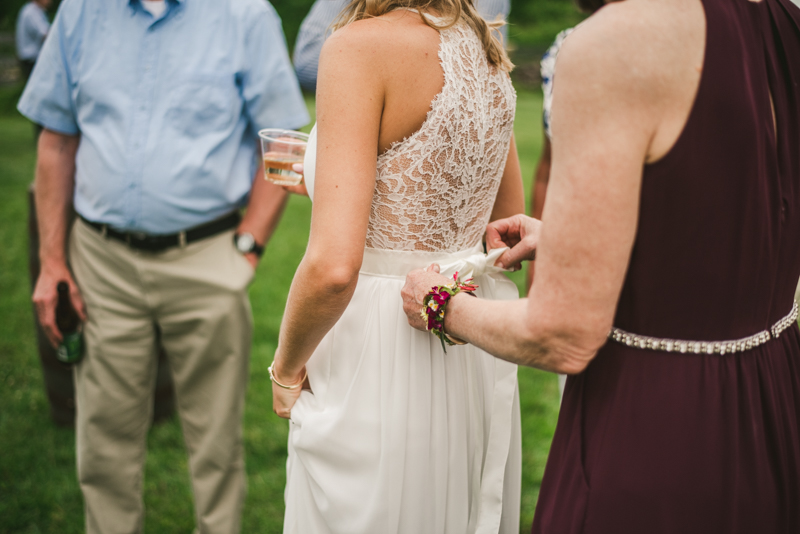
<point>26,66</point>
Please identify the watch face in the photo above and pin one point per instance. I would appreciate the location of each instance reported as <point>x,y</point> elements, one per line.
<point>245,242</point>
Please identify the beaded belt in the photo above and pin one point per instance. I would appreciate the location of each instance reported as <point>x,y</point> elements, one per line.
<point>704,347</point>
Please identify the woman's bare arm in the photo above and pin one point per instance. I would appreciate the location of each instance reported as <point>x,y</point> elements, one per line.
<point>348,122</point>
<point>362,85</point>
<point>620,111</point>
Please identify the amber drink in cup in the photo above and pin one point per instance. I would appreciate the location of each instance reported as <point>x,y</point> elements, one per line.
<point>281,149</point>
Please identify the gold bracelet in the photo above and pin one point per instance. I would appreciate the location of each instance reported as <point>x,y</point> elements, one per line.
<point>295,386</point>
<point>454,340</point>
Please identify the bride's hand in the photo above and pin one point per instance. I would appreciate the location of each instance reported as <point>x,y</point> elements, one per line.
<point>520,233</point>
<point>418,283</point>
<point>283,399</point>
<point>299,189</point>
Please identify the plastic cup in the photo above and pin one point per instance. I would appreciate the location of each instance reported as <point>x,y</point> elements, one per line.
<point>280,150</point>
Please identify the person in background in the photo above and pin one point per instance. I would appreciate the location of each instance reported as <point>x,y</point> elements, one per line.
<point>32,28</point>
<point>316,27</point>
<point>151,111</point>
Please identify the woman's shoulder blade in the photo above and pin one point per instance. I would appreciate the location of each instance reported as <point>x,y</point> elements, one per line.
<point>391,35</point>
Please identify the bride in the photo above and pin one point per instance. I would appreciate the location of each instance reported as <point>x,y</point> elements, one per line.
<point>411,157</point>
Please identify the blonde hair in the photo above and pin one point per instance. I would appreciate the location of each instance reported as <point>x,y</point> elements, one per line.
<point>448,10</point>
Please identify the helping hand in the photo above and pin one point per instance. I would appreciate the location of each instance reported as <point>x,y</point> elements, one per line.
<point>299,189</point>
<point>418,283</point>
<point>520,233</point>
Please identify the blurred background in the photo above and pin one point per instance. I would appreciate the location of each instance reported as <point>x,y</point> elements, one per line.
<point>38,487</point>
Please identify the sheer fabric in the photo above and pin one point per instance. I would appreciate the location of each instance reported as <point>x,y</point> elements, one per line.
<point>435,189</point>
<point>399,437</point>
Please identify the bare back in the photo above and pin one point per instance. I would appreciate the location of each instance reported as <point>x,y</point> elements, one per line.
<point>413,75</point>
<point>437,184</point>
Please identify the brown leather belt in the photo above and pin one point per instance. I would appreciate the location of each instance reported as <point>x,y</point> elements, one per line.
<point>162,242</point>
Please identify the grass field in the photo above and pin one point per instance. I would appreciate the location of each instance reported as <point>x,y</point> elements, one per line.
<point>38,487</point>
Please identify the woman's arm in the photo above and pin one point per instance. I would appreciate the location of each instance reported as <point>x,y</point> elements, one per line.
<point>349,104</point>
<point>541,178</point>
<point>614,104</point>
<point>510,198</point>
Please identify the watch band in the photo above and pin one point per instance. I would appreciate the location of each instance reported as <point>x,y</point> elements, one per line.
<point>254,247</point>
<point>258,250</point>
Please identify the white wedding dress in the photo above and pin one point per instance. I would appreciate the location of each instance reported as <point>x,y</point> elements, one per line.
<point>397,436</point>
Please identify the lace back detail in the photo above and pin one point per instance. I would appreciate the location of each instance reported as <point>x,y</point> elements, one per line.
<point>435,190</point>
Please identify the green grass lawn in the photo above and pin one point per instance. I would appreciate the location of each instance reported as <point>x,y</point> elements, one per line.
<point>38,488</point>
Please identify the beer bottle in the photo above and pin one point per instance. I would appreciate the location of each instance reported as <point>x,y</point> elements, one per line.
<point>71,348</point>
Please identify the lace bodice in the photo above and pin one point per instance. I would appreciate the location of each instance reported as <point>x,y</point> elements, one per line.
<point>435,189</point>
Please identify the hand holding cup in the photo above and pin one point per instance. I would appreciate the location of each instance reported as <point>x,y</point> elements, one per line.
<point>281,150</point>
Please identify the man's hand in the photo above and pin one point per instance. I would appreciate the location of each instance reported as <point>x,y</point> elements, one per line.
<point>45,299</point>
<point>418,283</point>
<point>253,258</point>
<point>520,233</point>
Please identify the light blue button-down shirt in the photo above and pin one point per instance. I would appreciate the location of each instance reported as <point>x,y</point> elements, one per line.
<point>316,28</point>
<point>32,27</point>
<point>168,109</point>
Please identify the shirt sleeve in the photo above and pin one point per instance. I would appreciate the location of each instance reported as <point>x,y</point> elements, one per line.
<point>491,9</point>
<point>39,25</point>
<point>272,97</point>
<point>47,99</point>
<point>313,32</point>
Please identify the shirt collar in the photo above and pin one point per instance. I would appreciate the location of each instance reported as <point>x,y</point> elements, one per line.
<point>132,4</point>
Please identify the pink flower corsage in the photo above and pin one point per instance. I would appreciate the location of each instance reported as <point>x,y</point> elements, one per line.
<point>435,303</point>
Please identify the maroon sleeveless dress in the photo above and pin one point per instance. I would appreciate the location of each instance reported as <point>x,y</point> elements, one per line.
<point>652,442</point>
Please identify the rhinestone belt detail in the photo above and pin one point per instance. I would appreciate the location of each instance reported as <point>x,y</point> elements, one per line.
<point>704,347</point>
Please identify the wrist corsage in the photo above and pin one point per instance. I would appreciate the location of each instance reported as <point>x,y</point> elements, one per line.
<point>435,303</point>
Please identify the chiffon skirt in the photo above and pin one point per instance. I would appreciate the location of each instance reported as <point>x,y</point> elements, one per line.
<point>666,443</point>
<point>397,436</point>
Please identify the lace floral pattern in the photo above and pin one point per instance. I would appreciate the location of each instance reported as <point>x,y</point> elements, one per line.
<point>435,190</point>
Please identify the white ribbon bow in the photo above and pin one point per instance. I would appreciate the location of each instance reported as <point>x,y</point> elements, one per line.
<point>474,265</point>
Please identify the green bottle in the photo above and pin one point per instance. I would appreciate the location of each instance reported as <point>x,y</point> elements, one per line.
<point>71,348</point>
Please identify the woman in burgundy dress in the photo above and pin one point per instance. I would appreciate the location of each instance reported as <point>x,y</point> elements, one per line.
<point>673,222</point>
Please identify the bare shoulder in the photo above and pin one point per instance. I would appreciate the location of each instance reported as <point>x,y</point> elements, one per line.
<point>636,40</point>
<point>639,60</point>
<point>380,42</point>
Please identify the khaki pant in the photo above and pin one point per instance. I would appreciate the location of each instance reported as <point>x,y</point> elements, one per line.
<point>197,297</point>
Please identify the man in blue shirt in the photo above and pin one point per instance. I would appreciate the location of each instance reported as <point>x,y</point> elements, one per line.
<point>32,28</point>
<point>151,111</point>
<point>316,28</point>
